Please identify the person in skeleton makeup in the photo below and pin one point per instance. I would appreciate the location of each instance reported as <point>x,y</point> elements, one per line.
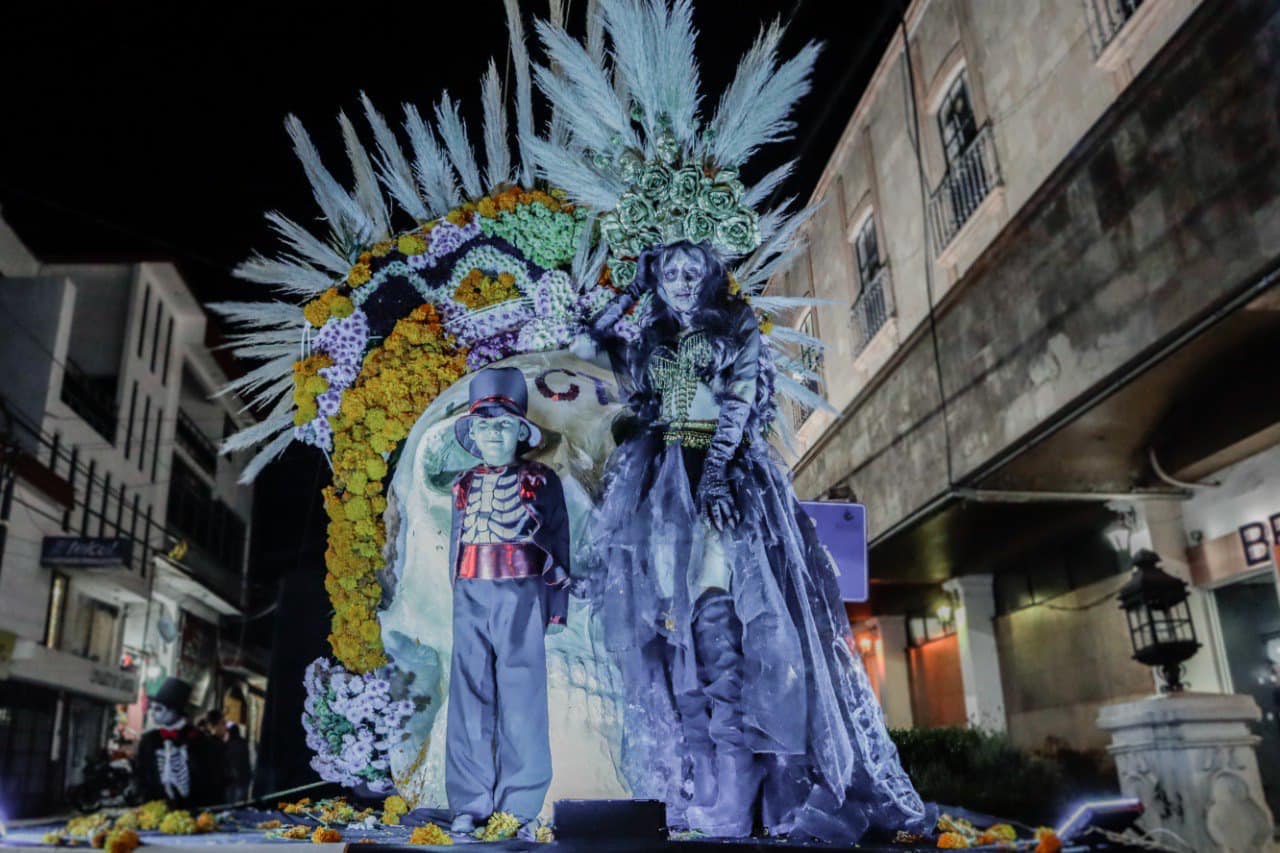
<point>175,760</point>
<point>745,698</point>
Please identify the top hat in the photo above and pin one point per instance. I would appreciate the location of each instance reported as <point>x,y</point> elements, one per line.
<point>494,392</point>
<point>173,693</point>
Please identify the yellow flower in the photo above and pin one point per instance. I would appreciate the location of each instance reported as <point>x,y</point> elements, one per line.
<point>178,823</point>
<point>487,208</point>
<point>325,835</point>
<point>411,244</point>
<point>766,325</point>
<point>381,249</point>
<point>430,834</point>
<point>360,274</point>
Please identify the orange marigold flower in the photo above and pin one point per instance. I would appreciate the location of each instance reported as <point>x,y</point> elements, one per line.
<point>1047,840</point>
<point>952,841</point>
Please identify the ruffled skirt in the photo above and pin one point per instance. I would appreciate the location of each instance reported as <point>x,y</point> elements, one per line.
<point>808,709</point>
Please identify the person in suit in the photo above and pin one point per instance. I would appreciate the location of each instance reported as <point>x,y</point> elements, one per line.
<point>176,761</point>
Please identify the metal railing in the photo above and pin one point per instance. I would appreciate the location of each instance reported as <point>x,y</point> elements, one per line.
<point>871,310</point>
<point>969,180</point>
<point>92,398</point>
<point>1107,18</point>
<point>197,445</point>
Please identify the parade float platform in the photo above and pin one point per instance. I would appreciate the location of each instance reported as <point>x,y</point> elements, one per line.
<point>244,829</point>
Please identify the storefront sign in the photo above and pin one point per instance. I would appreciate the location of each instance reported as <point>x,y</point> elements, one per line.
<point>114,679</point>
<point>1257,540</point>
<point>842,528</point>
<point>59,552</point>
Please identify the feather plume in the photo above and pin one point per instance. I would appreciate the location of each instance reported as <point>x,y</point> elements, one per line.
<point>367,192</point>
<point>346,218</point>
<point>453,130</point>
<point>308,247</point>
<point>653,52</point>
<point>571,172</point>
<point>258,315</point>
<point>273,371</point>
<point>294,278</point>
<point>792,389</point>
<point>266,456</point>
<point>766,185</point>
<point>524,87</point>
<point>754,110</point>
<point>430,165</point>
<point>788,335</point>
<point>580,90</point>
<point>497,153</point>
<point>393,167</point>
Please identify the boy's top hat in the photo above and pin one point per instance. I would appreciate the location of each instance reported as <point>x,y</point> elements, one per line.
<point>497,391</point>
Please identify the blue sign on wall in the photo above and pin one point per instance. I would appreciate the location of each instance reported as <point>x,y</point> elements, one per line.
<point>75,552</point>
<point>842,527</point>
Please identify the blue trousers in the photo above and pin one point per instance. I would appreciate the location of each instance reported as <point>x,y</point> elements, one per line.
<point>498,751</point>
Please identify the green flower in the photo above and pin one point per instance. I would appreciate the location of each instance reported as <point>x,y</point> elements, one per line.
<point>630,166</point>
<point>739,233</point>
<point>686,184</point>
<point>655,181</point>
<point>667,146</point>
<point>634,211</point>
<point>638,240</point>
<point>611,230</point>
<point>718,201</point>
<point>698,226</point>
<point>623,272</point>
<point>729,177</point>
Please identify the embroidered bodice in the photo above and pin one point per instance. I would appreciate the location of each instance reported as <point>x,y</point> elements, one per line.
<point>676,376</point>
<point>494,512</point>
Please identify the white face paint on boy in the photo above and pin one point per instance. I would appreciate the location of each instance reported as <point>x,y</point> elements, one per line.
<point>162,715</point>
<point>681,280</point>
<point>498,438</point>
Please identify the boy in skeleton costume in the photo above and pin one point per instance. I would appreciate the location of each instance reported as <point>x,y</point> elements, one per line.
<point>509,554</point>
<point>174,761</point>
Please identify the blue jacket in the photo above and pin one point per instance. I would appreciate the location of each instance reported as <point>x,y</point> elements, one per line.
<point>542,496</point>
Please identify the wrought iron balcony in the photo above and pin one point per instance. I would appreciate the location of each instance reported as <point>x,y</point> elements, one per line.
<point>873,307</point>
<point>197,445</point>
<point>92,398</point>
<point>969,180</point>
<point>1107,18</point>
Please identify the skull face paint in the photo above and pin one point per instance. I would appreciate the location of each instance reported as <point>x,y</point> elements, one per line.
<point>680,280</point>
<point>498,438</point>
<point>163,715</point>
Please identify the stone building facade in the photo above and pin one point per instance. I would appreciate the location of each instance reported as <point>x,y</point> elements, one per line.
<point>1057,224</point>
<point>124,537</point>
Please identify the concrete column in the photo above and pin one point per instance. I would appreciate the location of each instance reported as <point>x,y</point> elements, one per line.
<point>1169,539</point>
<point>1190,758</point>
<point>895,674</point>
<point>979,658</point>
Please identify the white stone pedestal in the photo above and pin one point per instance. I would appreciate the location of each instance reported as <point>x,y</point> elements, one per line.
<point>1190,758</point>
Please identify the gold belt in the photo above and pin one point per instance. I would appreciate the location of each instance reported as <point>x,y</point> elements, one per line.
<point>693,434</point>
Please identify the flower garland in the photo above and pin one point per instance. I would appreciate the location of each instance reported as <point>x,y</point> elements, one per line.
<point>351,723</point>
<point>398,381</point>
<point>477,290</point>
<point>544,228</point>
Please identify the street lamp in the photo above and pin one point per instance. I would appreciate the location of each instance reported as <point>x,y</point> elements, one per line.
<point>1160,626</point>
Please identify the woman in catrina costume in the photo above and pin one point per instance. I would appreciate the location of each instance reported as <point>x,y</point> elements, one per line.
<point>747,699</point>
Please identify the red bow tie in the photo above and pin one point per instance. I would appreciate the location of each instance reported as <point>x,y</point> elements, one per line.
<point>170,734</point>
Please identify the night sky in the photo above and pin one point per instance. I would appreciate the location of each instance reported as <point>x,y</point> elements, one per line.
<point>161,135</point>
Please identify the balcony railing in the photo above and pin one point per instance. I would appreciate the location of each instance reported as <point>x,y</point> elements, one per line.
<point>872,310</point>
<point>969,180</point>
<point>197,445</point>
<point>92,398</point>
<point>1107,18</point>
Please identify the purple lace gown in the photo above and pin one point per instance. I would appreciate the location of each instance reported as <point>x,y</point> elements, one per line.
<point>807,709</point>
